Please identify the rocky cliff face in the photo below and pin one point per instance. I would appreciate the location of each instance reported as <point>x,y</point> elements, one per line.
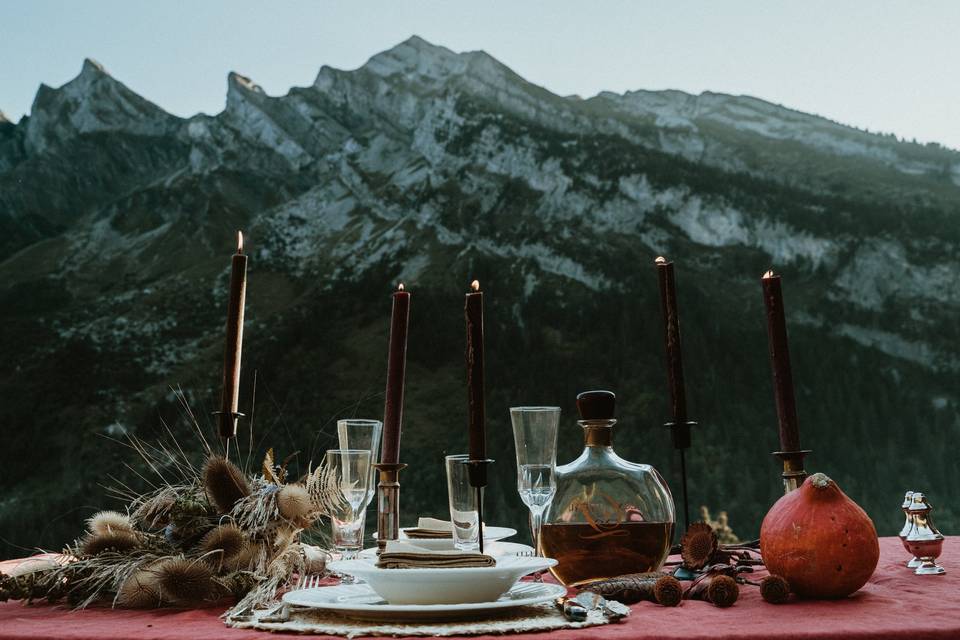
<point>433,168</point>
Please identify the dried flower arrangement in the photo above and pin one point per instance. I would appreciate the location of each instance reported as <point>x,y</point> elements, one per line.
<point>209,533</point>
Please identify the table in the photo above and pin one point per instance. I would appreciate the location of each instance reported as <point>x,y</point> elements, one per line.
<point>894,604</point>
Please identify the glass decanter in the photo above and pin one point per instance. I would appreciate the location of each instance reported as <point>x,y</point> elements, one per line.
<point>609,517</point>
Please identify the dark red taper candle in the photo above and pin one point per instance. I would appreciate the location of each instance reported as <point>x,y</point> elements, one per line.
<point>671,335</point>
<point>473,310</point>
<point>780,363</point>
<point>396,374</point>
<point>230,394</point>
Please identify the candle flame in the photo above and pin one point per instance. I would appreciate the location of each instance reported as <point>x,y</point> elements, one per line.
<point>660,260</point>
<point>239,241</point>
<point>769,274</point>
<point>400,287</point>
<point>475,285</point>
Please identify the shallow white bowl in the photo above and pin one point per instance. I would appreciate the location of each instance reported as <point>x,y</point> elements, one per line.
<point>442,586</point>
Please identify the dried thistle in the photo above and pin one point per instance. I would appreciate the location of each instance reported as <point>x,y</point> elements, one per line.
<point>775,589</point>
<point>294,504</point>
<point>104,522</point>
<point>119,541</point>
<point>225,483</point>
<point>153,512</point>
<point>224,544</point>
<point>697,546</point>
<point>720,589</point>
<point>141,590</point>
<point>184,581</point>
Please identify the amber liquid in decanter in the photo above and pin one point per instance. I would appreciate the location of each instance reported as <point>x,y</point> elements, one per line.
<point>609,516</point>
<point>582,552</point>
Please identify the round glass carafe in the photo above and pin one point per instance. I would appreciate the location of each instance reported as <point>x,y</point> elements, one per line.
<point>609,516</point>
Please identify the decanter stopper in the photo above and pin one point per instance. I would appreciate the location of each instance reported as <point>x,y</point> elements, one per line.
<point>596,405</point>
<point>914,562</point>
<point>924,540</point>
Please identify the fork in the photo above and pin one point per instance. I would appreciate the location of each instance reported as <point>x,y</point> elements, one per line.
<point>308,581</point>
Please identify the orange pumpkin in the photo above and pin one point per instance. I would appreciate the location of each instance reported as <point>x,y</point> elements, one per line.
<point>820,540</point>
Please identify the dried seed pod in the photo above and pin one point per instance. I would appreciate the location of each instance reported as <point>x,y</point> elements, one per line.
<point>228,540</point>
<point>316,559</point>
<point>224,482</point>
<point>721,590</point>
<point>654,586</point>
<point>185,582</point>
<point>698,545</point>
<point>294,504</point>
<point>775,589</point>
<point>111,541</point>
<point>141,590</point>
<point>108,522</point>
<point>155,512</point>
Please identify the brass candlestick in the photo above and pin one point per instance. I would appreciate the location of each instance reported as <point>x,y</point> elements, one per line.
<point>793,472</point>
<point>388,503</point>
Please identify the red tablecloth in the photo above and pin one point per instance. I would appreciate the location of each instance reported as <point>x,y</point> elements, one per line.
<point>894,604</point>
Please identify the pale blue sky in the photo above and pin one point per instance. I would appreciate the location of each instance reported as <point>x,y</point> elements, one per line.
<point>887,66</point>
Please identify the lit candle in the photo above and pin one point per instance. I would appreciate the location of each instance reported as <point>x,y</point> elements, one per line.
<point>396,367</point>
<point>780,363</point>
<point>671,332</point>
<point>473,310</point>
<point>234,342</point>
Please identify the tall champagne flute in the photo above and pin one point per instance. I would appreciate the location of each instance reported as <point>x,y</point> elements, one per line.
<point>535,437</point>
<point>355,433</point>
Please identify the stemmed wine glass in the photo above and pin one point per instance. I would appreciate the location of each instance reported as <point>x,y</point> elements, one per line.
<point>535,436</point>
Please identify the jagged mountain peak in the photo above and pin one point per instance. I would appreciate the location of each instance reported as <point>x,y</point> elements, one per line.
<point>92,101</point>
<point>430,64</point>
<point>3,118</point>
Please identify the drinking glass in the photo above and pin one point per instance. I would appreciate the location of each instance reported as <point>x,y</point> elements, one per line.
<point>464,509</point>
<point>535,436</point>
<point>356,433</point>
<point>351,468</point>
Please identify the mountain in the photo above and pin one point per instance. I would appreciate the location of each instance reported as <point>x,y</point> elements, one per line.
<point>434,168</point>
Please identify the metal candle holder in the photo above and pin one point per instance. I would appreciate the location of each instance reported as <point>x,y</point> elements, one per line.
<point>680,434</point>
<point>793,472</point>
<point>388,503</point>
<point>477,474</point>
<point>227,421</point>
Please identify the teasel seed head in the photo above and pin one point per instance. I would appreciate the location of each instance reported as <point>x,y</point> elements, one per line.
<point>294,504</point>
<point>223,544</point>
<point>108,522</point>
<point>141,590</point>
<point>119,541</point>
<point>225,483</point>
<point>185,582</point>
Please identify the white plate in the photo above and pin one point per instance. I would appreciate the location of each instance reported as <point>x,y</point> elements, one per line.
<point>360,601</point>
<point>490,534</point>
<point>448,585</point>
<point>497,549</point>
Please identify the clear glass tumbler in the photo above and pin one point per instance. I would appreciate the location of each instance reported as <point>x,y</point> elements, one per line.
<point>535,437</point>
<point>464,508</point>
<point>355,433</point>
<point>352,470</point>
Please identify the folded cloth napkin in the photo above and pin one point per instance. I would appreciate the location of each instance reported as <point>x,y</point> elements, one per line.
<point>430,528</point>
<point>404,555</point>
